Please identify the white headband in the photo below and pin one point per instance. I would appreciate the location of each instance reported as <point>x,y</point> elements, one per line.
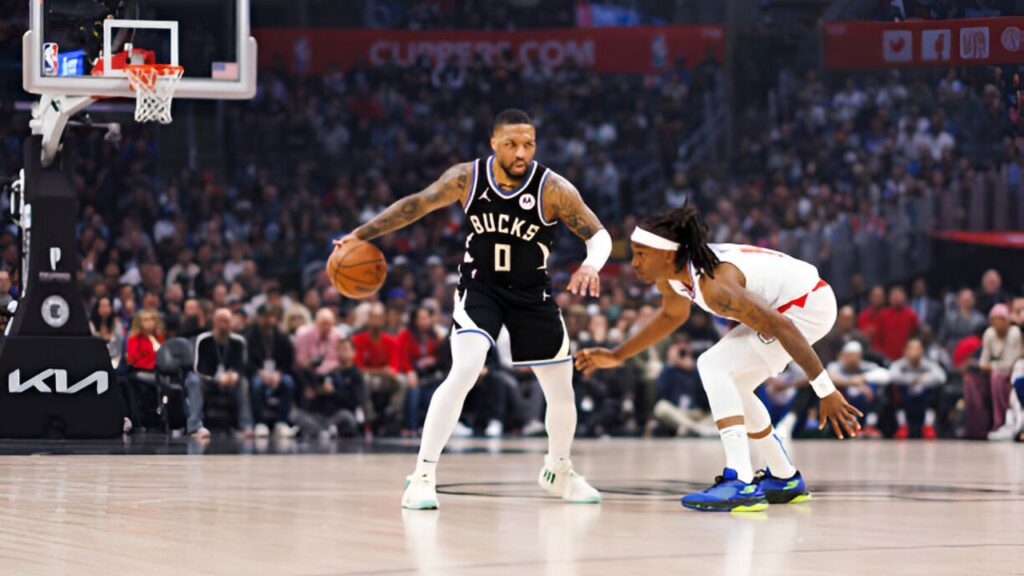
<point>641,236</point>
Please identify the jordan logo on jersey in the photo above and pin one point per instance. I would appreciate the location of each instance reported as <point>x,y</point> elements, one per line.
<point>484,196</point>
<point>489,222</point>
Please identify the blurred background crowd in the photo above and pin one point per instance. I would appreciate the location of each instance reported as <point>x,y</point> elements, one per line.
<point>851,172</point>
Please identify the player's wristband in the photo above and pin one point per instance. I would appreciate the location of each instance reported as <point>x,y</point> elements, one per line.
<point>599,248</point>
<point>823,385</point>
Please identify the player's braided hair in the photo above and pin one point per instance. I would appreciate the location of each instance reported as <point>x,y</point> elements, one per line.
<point>686,226</point>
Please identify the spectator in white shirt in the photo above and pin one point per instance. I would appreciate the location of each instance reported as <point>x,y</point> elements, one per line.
<point>859,381</point>
<point>918,379</point>
<point>1000,350</point>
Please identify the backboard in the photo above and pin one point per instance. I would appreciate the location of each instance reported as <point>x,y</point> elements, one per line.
<point>72,46</point>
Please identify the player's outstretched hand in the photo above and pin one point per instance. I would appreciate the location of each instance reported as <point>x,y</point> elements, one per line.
<point>835,409</point>
<point>350,237</point>
<point>590,359</point>
<point>585,281</point>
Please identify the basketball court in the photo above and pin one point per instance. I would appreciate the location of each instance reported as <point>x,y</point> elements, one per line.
<point>310,509</point>
<point>155,504</point>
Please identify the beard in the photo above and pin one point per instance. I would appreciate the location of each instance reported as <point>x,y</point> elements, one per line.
<point>515,168</point>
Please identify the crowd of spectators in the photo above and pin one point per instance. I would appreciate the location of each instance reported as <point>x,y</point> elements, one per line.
<point>826,174</point>
<point>941,9</point>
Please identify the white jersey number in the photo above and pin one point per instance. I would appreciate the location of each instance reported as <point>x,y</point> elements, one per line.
<point>502,258</point>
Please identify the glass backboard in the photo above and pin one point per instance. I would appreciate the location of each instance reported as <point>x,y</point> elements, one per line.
<point>77,47</point>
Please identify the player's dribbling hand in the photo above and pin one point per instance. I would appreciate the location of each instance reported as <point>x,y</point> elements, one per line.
<point>585,281</point>
<point>591,359</point>
<point>837,411</point>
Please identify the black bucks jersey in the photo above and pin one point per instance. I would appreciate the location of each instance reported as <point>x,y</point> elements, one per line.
<point>504,279</point>
<point>508,239</point>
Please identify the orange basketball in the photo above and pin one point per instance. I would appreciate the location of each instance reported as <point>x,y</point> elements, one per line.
<point>357,269</point>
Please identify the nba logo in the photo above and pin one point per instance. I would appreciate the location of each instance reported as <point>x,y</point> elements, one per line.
<point>50,52</point>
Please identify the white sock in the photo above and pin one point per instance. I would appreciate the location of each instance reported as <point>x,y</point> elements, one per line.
<point>737,451</point>
<point>560,419</point>
<point>929,417</point>
<point>469,352</point>
<point>775,455</point>
<point>901,417</point>
<point>426,468</point>
<point>758,457</point>
<point>871,419</point>
<point>553,462</point>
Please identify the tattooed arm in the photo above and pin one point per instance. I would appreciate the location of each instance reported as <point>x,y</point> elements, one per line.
<point>726,296</point>
<point>562,202</point>
<point>452,186</point>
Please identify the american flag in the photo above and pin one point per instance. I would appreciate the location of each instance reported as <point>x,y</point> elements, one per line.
<point>225,71</point>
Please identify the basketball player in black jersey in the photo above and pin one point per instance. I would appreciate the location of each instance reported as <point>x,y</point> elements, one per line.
<point>512,206</point>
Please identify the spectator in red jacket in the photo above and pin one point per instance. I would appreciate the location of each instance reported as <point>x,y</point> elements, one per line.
<point>869,317</point>
<point>416,358</point>
<point>377,357</point>
<point>896,324</point>
<point>144,339</point>
<point>417,344</point>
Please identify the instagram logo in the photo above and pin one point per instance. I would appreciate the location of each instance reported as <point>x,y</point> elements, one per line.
<point>50,52</point>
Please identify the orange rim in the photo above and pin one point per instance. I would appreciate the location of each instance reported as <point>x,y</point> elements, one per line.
<point>147,74</point>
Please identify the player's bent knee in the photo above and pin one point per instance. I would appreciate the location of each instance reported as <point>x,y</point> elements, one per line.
<point>709,362</point>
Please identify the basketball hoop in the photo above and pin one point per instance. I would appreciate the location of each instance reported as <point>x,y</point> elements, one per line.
<point>154,86</point>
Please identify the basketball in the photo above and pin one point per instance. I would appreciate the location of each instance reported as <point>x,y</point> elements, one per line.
<point>357,269</point>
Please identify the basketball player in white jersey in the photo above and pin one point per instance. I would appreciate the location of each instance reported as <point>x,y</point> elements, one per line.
<point>512,206</point>
<point>783,307</point>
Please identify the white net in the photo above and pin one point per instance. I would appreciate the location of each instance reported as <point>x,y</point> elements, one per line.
<point>154,87</point>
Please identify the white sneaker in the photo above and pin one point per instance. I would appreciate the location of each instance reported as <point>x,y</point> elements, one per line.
<point>559,479</point>
<point>462,431</point>
<point>283,430</point>
<point>494,429</point>
<point>261,430</point>
<point>420,493</point>
<point>126,426</point>
<point>1008,431</point>
<point>533,428</point>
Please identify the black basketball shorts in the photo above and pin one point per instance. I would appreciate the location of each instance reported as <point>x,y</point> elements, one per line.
<point>534,322</point>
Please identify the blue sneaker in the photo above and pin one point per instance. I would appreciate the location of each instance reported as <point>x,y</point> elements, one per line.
<point>728,494</point>
<point>782,490</point>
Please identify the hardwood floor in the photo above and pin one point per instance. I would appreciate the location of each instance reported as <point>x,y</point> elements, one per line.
<point>879,508</point>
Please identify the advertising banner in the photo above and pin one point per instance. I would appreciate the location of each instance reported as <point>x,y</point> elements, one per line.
<point>865,45</point>
<point>605,50</point>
